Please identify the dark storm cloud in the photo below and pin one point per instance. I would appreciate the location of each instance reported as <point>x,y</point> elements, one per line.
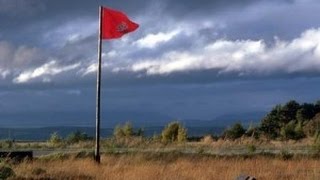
<point>189,59</point>
<point>21,8</point>
<point>60,37</point>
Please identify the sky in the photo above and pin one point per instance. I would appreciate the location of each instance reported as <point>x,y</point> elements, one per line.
<point>189,59</point>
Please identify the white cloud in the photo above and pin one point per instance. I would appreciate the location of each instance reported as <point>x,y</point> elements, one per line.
<point>4,73</point>
<point>245,57</point>
<point>45,71</point>
<point>152,40</point>
<point>90,69</point>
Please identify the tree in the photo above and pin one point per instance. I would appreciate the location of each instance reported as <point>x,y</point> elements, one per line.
<point>317,107</point>
<point>306,112</point>
<point>270,125</point>
<point>174,132</point>
<point>288,112</point>
<point>235,132</point>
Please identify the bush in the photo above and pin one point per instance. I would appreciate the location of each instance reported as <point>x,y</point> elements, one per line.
<point>77,136</point>
<point>6,144</point>
<point>253,132</point>
<point>55,138</point>
<point>126,131</point>
<point>292,131</point>
<point>174,132</point>
<point>235,132</point>
<point>251,148</point>
<point>6,172</point>
<point>118,132</point>
<point>313,126</point>
<point>285,155</point>
<point>208,139</point>
<point>182,134</point>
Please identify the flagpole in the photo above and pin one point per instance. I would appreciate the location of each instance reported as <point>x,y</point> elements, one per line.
<point>98,102</point>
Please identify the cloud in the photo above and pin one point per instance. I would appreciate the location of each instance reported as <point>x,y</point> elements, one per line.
<point>244,57</point>
<point>14,59</point>
<point>211,36</point>
<point>6,53</point>
<point>44,72</point>
<point>69,32</point>
<point>152,40</point>
<point>21,7</point>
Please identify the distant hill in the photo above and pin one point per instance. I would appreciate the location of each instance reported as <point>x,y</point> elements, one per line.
<point>245,118</point>
<point>40,134</point>
<point>110,119</point>
<point>85,119</point>
<point>39,126</point>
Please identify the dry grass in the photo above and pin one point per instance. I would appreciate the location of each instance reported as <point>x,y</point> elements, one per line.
<point>169,166</point>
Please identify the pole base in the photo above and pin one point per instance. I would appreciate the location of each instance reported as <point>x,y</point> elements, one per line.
<point>97,158</point>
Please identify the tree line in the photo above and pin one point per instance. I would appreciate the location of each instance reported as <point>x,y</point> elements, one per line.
<point>289,121</point>
<point>284,122</point>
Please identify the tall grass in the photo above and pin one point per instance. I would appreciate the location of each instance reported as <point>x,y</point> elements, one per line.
<point>169,166</point>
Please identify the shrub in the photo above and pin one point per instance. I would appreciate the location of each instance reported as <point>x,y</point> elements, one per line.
<point>251,148</point>
<point>292,131</point>
<point>55,138</point>
<point>312,126</point>
<point>126,131</point>
<point>182,134</point>
<point>77,136</point>
<point>118,132</point>
<point>174,132</point>
<point>8,144</point>
<point>299,134</point>
<point>253,132</point>
<point>6,172</point>
<point>235,132</point>
<point>285,155</point>
<point>208,139</point>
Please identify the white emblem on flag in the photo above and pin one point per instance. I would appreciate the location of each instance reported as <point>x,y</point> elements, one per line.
<point>122,27</point>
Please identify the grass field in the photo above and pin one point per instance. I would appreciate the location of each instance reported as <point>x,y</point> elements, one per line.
<point>142,159</point>
<point>167,166</point>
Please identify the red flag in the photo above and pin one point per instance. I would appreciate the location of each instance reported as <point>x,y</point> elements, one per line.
<point>115,24</point>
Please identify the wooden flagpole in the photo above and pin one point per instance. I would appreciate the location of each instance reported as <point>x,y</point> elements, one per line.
<point>98,102</point>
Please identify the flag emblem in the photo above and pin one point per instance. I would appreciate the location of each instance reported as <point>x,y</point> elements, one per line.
<point>122,27</point>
